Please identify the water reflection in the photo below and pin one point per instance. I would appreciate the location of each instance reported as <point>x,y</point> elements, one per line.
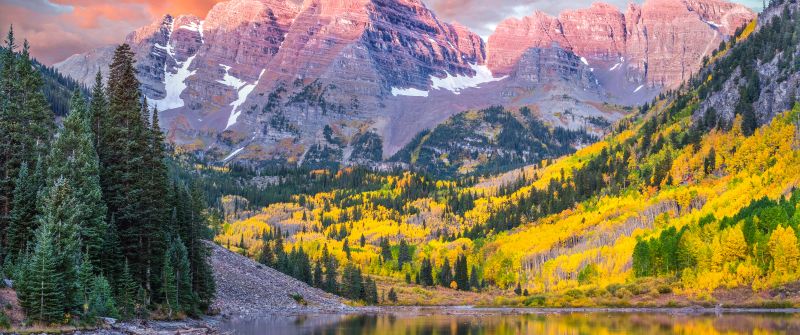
<point>498,323</point>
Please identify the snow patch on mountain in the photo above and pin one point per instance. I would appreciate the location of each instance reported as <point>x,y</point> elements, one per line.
<point>174,85</point>
<point>456,84</point>
<point>712,24</point>
<point>192,26</point>
<point>410,92</point>
<point>229,80</point>
<point>233,154</point>
<point>243,92</point>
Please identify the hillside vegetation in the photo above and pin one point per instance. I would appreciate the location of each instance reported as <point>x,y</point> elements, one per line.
<point>678,205</point>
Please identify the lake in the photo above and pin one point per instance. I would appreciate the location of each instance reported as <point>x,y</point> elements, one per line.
<point>500,321</point>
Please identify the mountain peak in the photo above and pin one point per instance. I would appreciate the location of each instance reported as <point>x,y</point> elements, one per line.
<point>265,77</point>
<point>603,34</point>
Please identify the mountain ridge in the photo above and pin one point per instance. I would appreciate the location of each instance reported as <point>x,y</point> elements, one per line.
<point>259,80</point>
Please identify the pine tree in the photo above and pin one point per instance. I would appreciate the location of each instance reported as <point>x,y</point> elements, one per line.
<point>346,248</point>
<point>189,219</point>
<point>73,158</point>
<point>123,148</point>
<point>101,300</point>
<point>266,257</point>
<point>42,290</point>
<point>710,162</point>
<point>331,284</point>
<point>98,109</point>
<point>24,212</point>
<point>392,295</point>
<point>386,251</point>
<point>127,292</point>
<point>474,281</point>
<point>169,286</point>
<point>59,213</point>
<point>38,121</point>
<point>319,280</point>
<point>749,119</point>
<point>445,273</point>
<point>154,211</point>
<point>85,283</point>
<point>403,254</point>
<point>26,121</point>
<point>426,273</point>
<point>301,265</point>
<point>281,259</point>
<point>7,126</point>
<point>369,291</point>
<point>112,260</point>
<point>177,286</point>
<point>461,276</point>
<point>352,282</point>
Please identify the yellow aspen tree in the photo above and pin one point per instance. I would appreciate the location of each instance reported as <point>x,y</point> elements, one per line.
<point>784,250</point>
<point>733,246</point>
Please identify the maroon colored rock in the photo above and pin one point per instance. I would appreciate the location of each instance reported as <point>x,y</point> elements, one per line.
<point>261,79</point>
<point>660,43</point>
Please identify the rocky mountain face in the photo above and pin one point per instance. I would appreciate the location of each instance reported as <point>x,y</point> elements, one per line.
<point>353,81</point>
<point>758,82</point>
<point>659,43</point>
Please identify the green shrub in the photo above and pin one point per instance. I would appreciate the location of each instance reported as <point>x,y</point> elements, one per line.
<point>299,299</point>
<point>535,300</point>
<point>664,289</point>
<point>5,321</point>
<point>623,293</point>
<point>613,288</point>
<point>574,294</point>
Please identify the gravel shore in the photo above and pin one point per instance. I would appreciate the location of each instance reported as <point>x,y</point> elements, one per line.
<point>246,288</point>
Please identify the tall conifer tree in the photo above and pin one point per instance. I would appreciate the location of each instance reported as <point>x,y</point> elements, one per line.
<point>24,211</point>
<point>73,157</point>
<point>26,121</point>
<point>126,177</point>
<point>41,291</point>
<point>59,213</point>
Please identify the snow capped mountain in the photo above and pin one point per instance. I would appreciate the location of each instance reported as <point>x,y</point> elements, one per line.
<point>273,80</point>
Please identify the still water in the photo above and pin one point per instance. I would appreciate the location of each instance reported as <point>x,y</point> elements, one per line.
<point>505,323</point>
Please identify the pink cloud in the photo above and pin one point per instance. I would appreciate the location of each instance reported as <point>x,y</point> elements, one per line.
<point>80,25</point>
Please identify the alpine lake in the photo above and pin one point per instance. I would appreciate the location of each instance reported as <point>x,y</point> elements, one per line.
<point>475,321</point>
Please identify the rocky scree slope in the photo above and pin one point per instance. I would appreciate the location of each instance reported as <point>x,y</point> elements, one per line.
<point>246,288</point>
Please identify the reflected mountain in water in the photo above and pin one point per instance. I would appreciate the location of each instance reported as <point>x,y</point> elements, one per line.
<point>500,323</point>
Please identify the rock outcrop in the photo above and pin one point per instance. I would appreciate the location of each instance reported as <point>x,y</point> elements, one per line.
<point>659,43</point>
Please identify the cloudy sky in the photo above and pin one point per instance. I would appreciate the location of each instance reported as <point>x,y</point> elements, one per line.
<point>57,29</point>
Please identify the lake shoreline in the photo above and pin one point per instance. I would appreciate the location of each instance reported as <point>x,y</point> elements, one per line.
<point>468,310</point>
<point>378,319</point>
<point>481,311</point>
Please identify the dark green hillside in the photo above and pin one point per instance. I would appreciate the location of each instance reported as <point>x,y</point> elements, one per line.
<point>488,141</point>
